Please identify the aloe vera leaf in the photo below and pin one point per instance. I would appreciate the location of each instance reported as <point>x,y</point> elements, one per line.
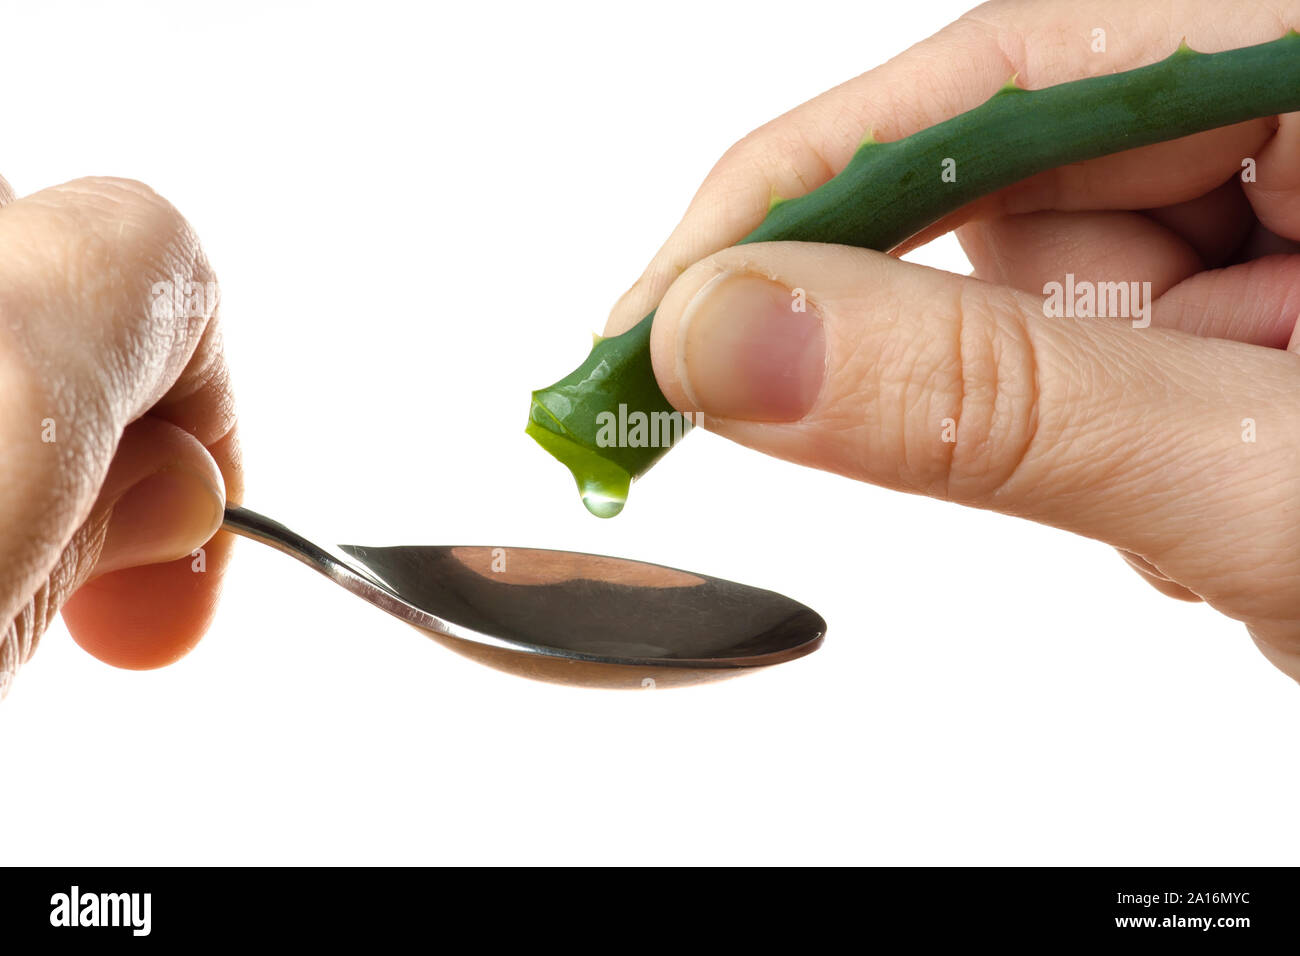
<point>890,191</point>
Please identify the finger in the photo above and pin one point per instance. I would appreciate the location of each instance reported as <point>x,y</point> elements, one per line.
<point>1215,225</point>
<point>154,612</point>
<point>927,382</point>
<point>1153,576</point>
<point>87,351</point>
<point>1164,245</point>
<point>1028,251</point>
<point>158,477</point>
<point>145,513</point>
<point>6,192</point>
<point>1274,190</point>
<point>1256,302</point>
<point>1283,654</point>
<point>1262,241</point>
<point>954,71</point>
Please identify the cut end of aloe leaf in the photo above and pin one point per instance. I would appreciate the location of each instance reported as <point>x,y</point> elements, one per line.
<point>603,484</point>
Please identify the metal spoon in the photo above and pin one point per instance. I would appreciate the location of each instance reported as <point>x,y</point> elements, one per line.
<point>561,615</point>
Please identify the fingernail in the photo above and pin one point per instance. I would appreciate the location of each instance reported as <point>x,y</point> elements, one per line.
<point>751,349</point>
<point>161,518</point>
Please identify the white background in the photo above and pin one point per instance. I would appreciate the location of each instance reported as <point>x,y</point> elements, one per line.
<point>420,214</point>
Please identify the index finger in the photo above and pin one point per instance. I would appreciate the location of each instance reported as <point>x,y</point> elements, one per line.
<point>957,69</point>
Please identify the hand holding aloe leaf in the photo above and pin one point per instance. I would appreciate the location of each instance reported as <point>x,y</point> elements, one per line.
<point>1125,361</point>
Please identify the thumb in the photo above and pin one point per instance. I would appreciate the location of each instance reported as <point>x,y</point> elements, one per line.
<point>162,498</point>
<point>162,501</point>
<point>850,361</point>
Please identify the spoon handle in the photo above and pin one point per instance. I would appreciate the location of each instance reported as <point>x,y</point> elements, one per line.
<point>268,531</point>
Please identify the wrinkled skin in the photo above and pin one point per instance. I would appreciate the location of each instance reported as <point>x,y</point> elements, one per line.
<point>117,428</point>
<point>1135,436</point>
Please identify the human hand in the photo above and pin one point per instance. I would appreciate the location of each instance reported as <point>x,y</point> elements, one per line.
<point>117,427</point>
<point>1178,443</point>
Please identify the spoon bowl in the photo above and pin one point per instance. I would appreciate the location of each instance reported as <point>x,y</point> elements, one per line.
<point>564,616</point>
